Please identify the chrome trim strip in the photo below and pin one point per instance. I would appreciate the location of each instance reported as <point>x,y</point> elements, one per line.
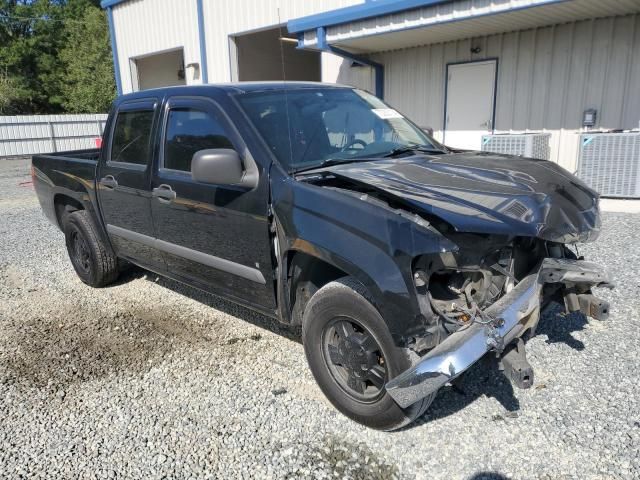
<point>218,263</point>
<point>131,235</point>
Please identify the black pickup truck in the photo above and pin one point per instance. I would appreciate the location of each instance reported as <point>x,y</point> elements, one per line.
<point>404,261</point>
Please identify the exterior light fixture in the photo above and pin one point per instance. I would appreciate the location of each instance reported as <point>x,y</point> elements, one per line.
<point>195,66</point>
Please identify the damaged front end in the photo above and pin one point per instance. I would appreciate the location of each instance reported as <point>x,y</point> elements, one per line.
<point>481,242</point>
<point>488,298</point>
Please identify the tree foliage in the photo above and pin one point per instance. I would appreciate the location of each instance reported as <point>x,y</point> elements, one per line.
<point>89,84</point>
<point>54,57</point>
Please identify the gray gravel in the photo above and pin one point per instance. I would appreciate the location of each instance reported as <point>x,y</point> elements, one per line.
<point>151,379</point>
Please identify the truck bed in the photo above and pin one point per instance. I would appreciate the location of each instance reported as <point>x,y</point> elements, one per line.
<point>88,154</point>
<point>70,173</point>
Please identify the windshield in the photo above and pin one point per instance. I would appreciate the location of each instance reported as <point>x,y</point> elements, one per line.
<point>315,126</point>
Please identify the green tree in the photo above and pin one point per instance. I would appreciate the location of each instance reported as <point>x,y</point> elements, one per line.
<point>52,51</point>
<point>30,35</point>
<point>88,84</point>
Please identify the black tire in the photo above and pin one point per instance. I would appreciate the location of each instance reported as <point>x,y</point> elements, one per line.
<point>357,394</point>
<point>93,261</point>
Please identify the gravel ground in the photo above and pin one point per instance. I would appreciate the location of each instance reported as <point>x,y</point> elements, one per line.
<point>151,379</point>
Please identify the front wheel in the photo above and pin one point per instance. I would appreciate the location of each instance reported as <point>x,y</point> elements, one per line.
<point>352,356</point>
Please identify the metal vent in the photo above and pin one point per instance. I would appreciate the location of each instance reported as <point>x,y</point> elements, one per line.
<point>532,145</point>
<point>610,163</point>
<point>517,210</point>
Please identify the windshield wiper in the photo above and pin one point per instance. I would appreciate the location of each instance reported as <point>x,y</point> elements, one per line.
<point>333,161</point>
<point>413,148</point>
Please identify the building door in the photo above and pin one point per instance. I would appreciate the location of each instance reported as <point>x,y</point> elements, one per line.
<point>470,103</point>
<point>158,70</point>
<point>272,55</point>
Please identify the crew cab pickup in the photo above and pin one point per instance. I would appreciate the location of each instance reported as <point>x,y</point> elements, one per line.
<point>404,261</point>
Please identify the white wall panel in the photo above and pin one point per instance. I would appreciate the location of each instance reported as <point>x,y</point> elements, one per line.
<point>143,27</point>
<point>229,17</point>
<point>547,77</point>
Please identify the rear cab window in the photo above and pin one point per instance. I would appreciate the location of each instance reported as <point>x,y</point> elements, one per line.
<point>131,142</point>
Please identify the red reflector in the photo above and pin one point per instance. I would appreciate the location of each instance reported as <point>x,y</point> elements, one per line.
<point>99,142</point>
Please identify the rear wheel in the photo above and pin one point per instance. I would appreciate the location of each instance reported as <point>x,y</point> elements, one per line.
<point>93,261</point>
<point>352,356</point>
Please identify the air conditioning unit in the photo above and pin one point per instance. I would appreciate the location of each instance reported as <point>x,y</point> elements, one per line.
<point>610,163</point>
<point>533,145</point>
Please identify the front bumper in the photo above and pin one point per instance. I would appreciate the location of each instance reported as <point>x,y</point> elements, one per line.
<point>514,314</point>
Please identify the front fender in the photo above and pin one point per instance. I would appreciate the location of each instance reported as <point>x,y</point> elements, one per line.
<point>367,240</point>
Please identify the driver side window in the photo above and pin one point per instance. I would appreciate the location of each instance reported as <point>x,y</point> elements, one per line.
<point>190,130</point>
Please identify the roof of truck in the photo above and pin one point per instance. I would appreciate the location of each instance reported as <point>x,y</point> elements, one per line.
<point>235,87</point>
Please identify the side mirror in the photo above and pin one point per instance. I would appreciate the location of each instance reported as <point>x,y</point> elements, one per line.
<point>428,130</point>
<point>220,166</point>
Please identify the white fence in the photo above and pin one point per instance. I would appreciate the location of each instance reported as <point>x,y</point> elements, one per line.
<point>30,134</point>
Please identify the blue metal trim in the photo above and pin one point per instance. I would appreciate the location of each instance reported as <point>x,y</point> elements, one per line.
<point>203,43</point>
<point>355,12</point>
<point>114,51</point>
<point>322,45</point>
<point>111,3</point>
<point>456,20</point>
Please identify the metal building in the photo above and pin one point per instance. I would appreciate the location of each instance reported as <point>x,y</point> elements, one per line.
<point>477,72</point>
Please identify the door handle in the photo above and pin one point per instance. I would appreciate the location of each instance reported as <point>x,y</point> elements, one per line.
<point>109,182</point>
<point>164,193</point>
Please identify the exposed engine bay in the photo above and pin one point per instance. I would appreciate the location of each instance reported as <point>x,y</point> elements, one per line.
<point>459,286</point>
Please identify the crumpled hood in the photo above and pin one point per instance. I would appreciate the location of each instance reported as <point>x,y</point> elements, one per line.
<point>487,193</point>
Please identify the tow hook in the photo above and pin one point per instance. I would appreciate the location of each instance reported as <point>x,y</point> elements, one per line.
<point>515,366</point>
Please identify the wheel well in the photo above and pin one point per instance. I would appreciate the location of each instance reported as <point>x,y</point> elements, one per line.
<point>64,205</point>
<point>307,274</point>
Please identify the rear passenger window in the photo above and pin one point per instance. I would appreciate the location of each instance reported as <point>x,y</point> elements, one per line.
<point>188,131</point>
<point>131,137</point>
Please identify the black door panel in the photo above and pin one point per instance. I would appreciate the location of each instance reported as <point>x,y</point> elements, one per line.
<point>216,235</point>
<point>124,185</point>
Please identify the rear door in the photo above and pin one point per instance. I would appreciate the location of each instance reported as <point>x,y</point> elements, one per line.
<point>213,236</point>
<point>124,182</point>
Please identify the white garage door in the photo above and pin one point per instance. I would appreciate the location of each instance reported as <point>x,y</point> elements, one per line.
<point>470,103</point>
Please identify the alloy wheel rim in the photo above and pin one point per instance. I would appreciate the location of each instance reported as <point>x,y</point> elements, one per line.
<point>81,255</point>
<point>355,359</point>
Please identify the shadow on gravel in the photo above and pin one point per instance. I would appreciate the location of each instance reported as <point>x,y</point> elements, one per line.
<point>230,308</point>
<point>211,300</point>
<point>483,378</point>
<point>558,326</point>
<point>340,458</point>
<point>74,342</point>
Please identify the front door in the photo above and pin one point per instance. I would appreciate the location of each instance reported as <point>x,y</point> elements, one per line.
<point>124,183</point>
<point>470,103</point>
<point>213,236</point>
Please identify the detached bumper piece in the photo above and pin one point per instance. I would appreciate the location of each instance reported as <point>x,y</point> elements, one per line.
<point>511,316</point>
